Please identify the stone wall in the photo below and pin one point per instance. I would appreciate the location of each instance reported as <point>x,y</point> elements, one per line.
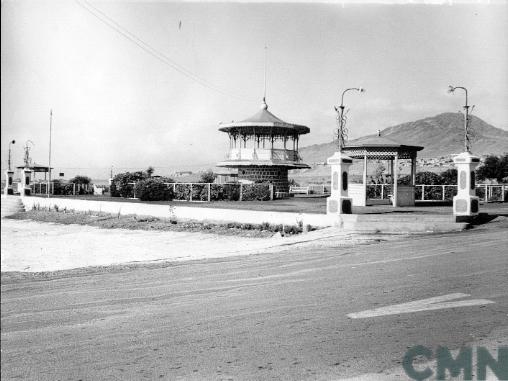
<point>278,176</point>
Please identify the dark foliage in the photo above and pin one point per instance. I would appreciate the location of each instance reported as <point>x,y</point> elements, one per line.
<point>494,167</point>
<point>79,179</point>
<point>153,190</point>
<point>121,186</point>
<point>207,177</point>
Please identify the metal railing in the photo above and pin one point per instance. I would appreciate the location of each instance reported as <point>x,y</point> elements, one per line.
<point>262,154</point>
<point>430,192</point>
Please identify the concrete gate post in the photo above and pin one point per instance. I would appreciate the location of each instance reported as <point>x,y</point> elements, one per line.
<point>9,175</point>
<point>26,181</point>
<point>339,202</point>
<point>465,203</point>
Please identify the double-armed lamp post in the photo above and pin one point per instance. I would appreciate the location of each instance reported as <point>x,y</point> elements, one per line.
<point>467,147</point>
<point>341,133</point>
<point>339,202</point>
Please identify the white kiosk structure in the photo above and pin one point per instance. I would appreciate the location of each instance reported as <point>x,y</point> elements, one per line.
<point>465,203</point>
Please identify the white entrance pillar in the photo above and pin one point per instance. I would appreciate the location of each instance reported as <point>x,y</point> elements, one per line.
<point>26,181</point>
<point>9,175</point>
<point>339,202</point>
<point>465,203</point>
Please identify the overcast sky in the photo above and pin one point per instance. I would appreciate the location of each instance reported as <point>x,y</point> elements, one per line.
<point>116,104</point>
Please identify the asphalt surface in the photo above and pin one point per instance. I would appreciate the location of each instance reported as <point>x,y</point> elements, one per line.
<point>269,316</point>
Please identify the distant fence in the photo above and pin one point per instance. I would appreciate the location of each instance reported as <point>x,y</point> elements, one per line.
<point>64,189</point>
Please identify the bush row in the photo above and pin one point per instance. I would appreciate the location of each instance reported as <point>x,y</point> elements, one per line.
<point>154,189</point>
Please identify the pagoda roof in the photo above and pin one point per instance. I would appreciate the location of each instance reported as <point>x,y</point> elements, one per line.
<point>264,122</point>
<point>379,142</point>
<point>36,167</point>
<point>377,147</point>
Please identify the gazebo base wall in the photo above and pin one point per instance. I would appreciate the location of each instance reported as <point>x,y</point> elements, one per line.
<point>278,176</point>
<point>357,194</point>
<point>405,196</point>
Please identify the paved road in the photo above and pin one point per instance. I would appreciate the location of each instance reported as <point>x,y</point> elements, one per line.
<point>269,316</point>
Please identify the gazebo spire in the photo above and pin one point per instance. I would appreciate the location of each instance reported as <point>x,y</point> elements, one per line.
<point>264,106</point>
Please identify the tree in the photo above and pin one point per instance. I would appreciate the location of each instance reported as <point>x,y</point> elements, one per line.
<point>449,177</point>
<point>149,171</point>
<point>122,183</point>
<point>494,167</point>
<point>207,177</point>
<point>79,179</point>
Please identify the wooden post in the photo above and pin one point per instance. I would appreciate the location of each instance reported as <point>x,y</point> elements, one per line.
<point>74,189</point>
<point>395,175</point>
<point>382,191</point>
<point>413,170</point>
<point>443,197</point>
<point>209,191</point>
<point>270,186</point>
<point>486,193</point>
<point>190,194</point>
<point>423,192</point>
<point>241,192</point>
<point>502,193</point>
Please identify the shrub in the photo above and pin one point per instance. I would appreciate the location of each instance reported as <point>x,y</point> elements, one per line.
<point>79,179</point>
<point>449,177</point>
<point>207,177</point>
<point>182,192</point>
<point>120,186</point>
<point>253,192</point>
<point>153,189</point>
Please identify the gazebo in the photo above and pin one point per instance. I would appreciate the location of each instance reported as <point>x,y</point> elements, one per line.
<point>36,168</point>
<point>380,148</point>
<point>263,148</point>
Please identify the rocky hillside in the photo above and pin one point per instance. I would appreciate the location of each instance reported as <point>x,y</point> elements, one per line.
<point>441,135</point>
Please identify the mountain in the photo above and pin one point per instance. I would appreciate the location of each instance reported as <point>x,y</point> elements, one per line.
<point>440,135</point>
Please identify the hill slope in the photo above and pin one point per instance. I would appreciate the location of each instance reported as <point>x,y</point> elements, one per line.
<point>440,135</point>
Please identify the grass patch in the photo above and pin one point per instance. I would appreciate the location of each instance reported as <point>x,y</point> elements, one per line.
<point>135,222</point>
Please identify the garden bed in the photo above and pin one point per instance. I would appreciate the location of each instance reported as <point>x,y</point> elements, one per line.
<point>135,222</point>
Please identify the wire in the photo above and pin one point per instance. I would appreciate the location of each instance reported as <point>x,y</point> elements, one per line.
<point>105,19</point>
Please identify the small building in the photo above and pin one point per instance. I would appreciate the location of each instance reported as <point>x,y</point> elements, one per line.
<point>263,148</point>
<point>380,148</point>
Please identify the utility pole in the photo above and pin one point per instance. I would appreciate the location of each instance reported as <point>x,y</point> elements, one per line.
<point>49,159</point>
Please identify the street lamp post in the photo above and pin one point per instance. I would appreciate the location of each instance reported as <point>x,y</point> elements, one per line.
<point>467,147</point>
<point>339,202</point>
<point>9,160</point>
<point>341,133</point>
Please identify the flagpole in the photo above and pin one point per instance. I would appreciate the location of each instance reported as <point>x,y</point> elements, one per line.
<point>49,160</point>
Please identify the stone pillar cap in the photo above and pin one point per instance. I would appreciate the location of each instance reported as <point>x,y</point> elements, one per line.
<point>339,157</point>
<point>466,158</point>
